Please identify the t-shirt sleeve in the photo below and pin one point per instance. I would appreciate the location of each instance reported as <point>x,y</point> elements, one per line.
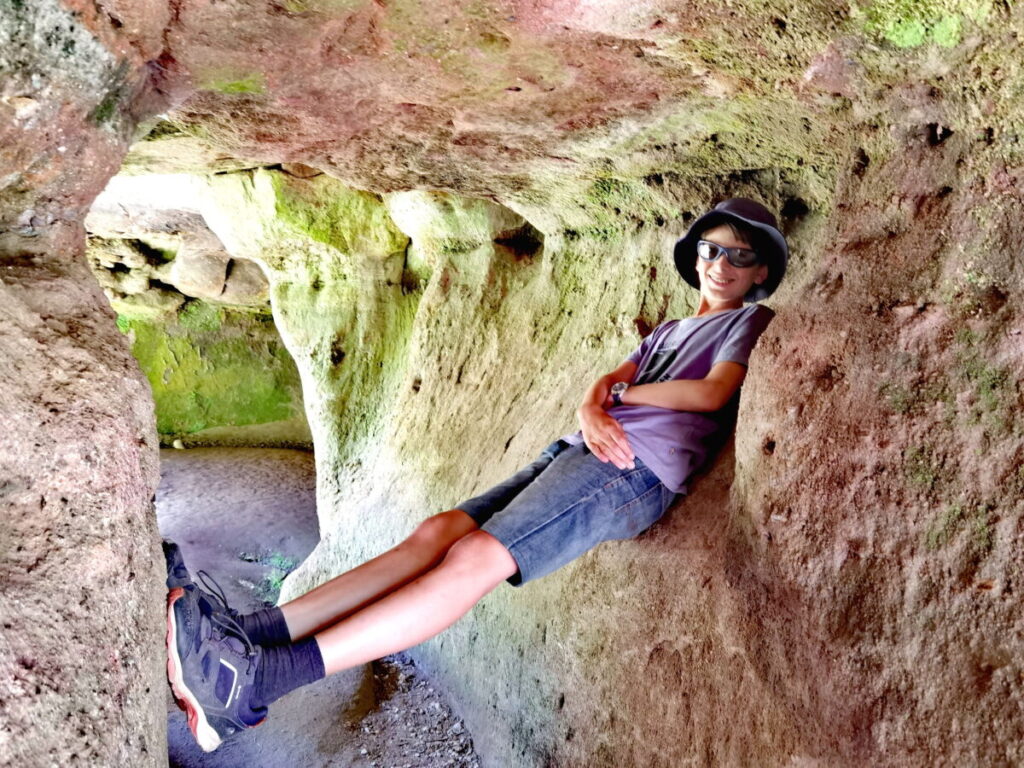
<point>638,353</point>
<point>648,341</point>
<point>741,339</point>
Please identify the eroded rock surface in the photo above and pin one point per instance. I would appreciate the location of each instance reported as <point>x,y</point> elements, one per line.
<point>501,183</point>
<point>81,569</point>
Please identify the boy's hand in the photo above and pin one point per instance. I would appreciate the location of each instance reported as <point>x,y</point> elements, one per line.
<point>605,437</point>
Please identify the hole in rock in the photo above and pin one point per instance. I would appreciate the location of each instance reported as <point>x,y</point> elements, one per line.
<point>860,163</point>
<point>153,255</point>
<point>793,209</point>
<point>337,354</point>
<point>524,243</point>
<point>938,133</point>
<point>160,285</point>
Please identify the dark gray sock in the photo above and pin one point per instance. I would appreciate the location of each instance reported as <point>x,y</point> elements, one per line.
<point>266,627</point>
<point>283,668</point>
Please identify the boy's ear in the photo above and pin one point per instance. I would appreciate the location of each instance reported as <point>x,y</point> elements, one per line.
<point>762,274</point>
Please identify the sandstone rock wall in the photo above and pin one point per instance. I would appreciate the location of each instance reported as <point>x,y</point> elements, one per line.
<point>874,548</point>
<point>80,564</point>
<point>80,597</point>
<point>840,591</point>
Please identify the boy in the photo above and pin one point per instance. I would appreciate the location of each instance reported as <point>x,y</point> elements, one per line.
<point>644,429</point>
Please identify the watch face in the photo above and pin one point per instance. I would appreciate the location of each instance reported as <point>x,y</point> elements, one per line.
<point>618,387</point>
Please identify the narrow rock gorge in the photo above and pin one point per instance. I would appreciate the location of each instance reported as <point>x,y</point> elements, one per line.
<point>457,215</point>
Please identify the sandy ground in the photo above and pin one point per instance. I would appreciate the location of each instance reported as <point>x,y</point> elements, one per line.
<point>247,516</point>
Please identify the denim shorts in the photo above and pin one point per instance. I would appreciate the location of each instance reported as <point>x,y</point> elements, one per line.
<point>565,502</point>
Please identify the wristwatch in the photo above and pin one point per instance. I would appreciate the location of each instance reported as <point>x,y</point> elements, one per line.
<point>618,390</point>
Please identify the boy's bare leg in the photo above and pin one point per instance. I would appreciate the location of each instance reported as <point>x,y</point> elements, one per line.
<point>474,566</point>
<point>358,588</point>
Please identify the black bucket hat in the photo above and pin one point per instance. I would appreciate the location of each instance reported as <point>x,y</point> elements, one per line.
<point>770,246</point>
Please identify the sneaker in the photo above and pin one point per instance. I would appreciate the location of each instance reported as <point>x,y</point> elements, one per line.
<point>210,592</point>
<point>211,666</point>
<point>177,573</point>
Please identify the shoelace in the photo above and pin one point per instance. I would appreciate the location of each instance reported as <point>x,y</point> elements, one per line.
<point>226,620</point>
<point>230,625</point>
<point>214,590</point>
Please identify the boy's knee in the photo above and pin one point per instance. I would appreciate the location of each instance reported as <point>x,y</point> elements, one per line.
<point>478,550</point>
<point>443,528</point>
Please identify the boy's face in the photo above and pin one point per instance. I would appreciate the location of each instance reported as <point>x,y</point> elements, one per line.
<point>720,281</point>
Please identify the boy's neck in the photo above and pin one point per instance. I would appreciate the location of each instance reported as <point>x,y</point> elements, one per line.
<point>708,308</point>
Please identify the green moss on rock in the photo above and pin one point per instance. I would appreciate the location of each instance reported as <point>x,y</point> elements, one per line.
<point>947,31</point>
<point>956,518</point>
<point>912,23</point>
<point>106,109</point>
<point>347,219</point>
<point>207,371</point>
<point>616,204</point>
<point>990,384</point>
<point>200,316</point>
<point>252,82</point>
<point>920,466</point>
<point>896,396</point>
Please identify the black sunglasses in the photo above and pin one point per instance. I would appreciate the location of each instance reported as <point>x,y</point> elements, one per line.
<point>738,257</point>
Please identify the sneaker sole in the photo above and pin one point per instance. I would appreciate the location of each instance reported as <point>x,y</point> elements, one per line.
<point>202,731</point>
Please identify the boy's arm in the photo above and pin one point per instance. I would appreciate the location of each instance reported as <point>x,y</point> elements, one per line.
<point>702,395</point>
<point>604,435</point>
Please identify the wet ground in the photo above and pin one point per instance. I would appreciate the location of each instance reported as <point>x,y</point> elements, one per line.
<point>248,516</point>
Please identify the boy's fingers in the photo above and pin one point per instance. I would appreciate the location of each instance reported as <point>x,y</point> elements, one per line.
<point>621,459</point>
<point>591,443</point>
<point>623,445</point>
<point>608,443</point>
<point>604,452</point>
<point>624,457</point>
<point>617,437</point>
<point>619,455</point>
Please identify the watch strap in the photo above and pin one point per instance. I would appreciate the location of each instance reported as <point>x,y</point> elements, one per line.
<point>617,393</point>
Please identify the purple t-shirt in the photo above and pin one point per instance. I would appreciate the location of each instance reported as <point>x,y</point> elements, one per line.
<point>674,444</point>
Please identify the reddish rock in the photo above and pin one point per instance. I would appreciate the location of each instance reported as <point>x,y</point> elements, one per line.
<point>852,602</point>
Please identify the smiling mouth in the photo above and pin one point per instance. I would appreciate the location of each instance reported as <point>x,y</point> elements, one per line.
<point>716,281</point>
